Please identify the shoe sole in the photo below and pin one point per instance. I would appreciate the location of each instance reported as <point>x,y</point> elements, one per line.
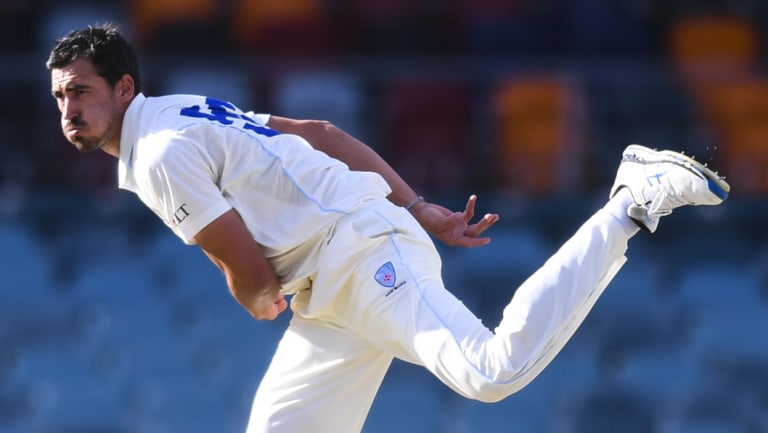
<point>716,184</point>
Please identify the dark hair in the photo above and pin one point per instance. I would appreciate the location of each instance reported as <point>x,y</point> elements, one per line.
<point>104,46</point>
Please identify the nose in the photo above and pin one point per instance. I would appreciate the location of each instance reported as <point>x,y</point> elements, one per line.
<point>68,109</point>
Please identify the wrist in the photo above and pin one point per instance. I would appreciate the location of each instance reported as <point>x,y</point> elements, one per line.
<point>409,207</point>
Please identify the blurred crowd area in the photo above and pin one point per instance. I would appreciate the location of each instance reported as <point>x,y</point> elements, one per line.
<point>534,98</point>
<point>109,324</point>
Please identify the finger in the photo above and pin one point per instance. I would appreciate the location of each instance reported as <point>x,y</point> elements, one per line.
<point>450,222</point>
<point>281,305</point>
<point>278,307</point>
<point>476,229</point>
<point>472,242</point>
<point>469,210</point>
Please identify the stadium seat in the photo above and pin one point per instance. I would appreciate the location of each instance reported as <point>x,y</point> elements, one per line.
<point>704,48</point>
<point>539,134</point>
<point>726,304</point>
<point>24,280</point>
<point>716,57</point>
<point>325,94</point>
<point>612,409</point>
<point>604,29</point>
<point>61,383</point>
<point>61,18</point>
<point>517,413</point>
<point>745,161</point>
<point>180,25</point>
<point>537,407</point>
<point>646,107</point>
<point>427,125</point>
<point>737,112</point>
<point>714,408</point>
<point>482,276</point>
<point>393,27</point>
<point>221,81</point>
<point>664,376</point>
<point>410,399</point>
<point>496,27</point>
<point>19,24</point>
<point>709,425</point>
<point>283,28</point>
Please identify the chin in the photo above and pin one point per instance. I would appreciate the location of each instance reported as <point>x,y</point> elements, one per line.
<point>85,146</point>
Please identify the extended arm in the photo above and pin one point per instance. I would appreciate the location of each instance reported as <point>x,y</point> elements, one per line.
<point>326,137</point>
<point>452,228</point>
<point>250,277</point>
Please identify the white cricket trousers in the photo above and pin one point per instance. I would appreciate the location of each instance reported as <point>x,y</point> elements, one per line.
<point>378,294</point>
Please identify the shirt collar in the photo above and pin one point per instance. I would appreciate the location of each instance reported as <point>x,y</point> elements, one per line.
<point>128,140</point>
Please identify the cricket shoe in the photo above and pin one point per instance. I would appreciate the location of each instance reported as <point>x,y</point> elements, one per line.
<point>662,180</point>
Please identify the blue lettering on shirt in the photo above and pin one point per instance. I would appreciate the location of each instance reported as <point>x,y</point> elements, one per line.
<point>226,113</point>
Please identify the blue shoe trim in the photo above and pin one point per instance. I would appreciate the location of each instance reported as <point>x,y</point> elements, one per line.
<point>717,189</point>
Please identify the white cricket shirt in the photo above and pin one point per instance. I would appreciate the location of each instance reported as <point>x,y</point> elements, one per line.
<point>191,158</point>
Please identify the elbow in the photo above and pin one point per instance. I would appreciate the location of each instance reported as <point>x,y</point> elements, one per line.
<point>257,301</point>
<point>493,393</point>
<point>258,307</point>
<point>320,130</point>
<point>258,312</point>
<point>320,125</point>
<point>314,130</point>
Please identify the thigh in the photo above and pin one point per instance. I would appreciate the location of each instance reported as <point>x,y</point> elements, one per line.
<point>322,378</point>
<point>384,276</point>
<point>400,304</point>
<point>380,278</point>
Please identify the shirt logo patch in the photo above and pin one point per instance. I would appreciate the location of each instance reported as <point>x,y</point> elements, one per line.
<point>386,275</point>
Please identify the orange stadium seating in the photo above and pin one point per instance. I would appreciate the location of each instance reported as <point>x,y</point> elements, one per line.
<point>538,144</point>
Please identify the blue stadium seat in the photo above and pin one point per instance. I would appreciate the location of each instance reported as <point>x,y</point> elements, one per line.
<point>65,17</point>
<point>410,399</point>
<point>534,409</point>
<point>663,376</point>
<point>324,94</point>
<point>713,426</point>
<point>66,388</point>
<point>486,278</point>
<point>612,409</point>
<point>220,81</point>
<point>23,278</point>
<point>726,303</point>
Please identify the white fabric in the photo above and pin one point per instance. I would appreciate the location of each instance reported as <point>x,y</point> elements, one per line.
<point>346,330</point>
<point>376,290</point>
<point>190,159</point>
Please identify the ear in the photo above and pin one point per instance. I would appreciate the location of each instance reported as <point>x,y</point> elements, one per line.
<point>126,88</point>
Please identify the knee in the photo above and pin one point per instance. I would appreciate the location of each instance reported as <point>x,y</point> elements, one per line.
<point>489,391</point>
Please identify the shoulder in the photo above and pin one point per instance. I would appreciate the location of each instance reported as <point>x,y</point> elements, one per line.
<point>171,111</point>
<point>168,150</point>
<point>168,127</point>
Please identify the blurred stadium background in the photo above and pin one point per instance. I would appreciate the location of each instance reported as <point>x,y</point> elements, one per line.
<point>109,324</point>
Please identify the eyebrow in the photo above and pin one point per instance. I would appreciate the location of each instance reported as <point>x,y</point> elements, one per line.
<point>71,88</point>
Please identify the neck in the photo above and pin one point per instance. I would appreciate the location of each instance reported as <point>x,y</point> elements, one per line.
<point>112,149</point>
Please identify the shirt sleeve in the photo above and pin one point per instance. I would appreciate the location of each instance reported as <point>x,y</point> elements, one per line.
<point>182,181</point>
<point>260,118</point>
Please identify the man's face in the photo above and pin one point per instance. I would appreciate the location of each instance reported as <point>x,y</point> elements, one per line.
<point>91,110</point>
